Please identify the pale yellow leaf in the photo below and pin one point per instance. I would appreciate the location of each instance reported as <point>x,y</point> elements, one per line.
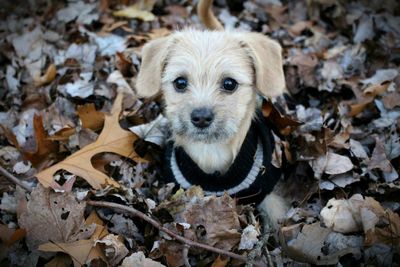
<point>134,12</point>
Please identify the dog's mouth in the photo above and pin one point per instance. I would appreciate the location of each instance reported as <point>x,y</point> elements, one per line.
<point>215,133</point>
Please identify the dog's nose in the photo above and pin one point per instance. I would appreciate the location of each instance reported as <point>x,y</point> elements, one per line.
<point>202,117</point>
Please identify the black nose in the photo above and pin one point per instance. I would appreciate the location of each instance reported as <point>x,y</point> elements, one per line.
<point>202,117</point>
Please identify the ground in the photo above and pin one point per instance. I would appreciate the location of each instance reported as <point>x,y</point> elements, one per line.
<point>77,186</point>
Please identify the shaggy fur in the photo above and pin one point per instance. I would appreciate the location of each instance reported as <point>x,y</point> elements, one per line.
<point>205,58</point>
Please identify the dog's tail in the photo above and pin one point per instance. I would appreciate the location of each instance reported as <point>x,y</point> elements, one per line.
<point>207,16</point>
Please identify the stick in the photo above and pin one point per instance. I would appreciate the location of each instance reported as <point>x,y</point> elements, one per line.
<point>157,225</point>
<point>14,179</point>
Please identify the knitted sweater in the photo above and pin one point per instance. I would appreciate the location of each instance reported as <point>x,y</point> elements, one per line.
<point>249,179</point>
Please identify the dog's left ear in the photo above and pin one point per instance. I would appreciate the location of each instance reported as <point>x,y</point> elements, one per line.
<point>267,59</point>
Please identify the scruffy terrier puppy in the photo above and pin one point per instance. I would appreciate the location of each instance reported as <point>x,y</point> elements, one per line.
<point>210,82</point>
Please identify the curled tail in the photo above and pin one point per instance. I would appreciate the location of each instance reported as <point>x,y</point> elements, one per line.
<point>206,15</point>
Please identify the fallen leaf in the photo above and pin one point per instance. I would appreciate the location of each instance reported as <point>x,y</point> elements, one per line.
<point>381,76</point>
<point>357,149</point>
<point>365,29</point>
<point>90,117</point>
<point>48,77</point>
<point>391,100</point>
<point>331,163</point>
<point>214,220</point>
<point>84,250</point>
<point>80,11</point>
<point>284,124</point>
<point>220,262</point>
<point>125,65</point>
<point>249,237</point>
<point>155,131</point>
<point>135,12</point>
<point>44,147</point>
<point>22,167</point>
<point>115,249</point>
<point>378,158</point>
<point>375,90</point>
<point>307,243</point>
<point>82,87</point>
<point>112,139</point>
<point>51,216</point>
<point>343,215</point>
<point>138,259</point>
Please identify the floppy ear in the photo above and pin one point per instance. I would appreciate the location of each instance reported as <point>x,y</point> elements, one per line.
<point>154,55</point>
<point>267,60</point>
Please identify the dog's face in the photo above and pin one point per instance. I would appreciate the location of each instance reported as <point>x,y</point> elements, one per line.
<point>210,80</point>
<point>208,87</point>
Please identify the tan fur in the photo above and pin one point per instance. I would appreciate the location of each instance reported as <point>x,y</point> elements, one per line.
<point>206,58</point>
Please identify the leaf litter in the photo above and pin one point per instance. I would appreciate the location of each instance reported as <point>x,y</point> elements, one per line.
<point>68,72</point>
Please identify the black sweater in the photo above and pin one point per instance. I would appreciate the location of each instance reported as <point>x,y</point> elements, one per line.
<point>249,179</point>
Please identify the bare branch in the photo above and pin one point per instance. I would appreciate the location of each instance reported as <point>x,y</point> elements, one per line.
<point>14,179</point>
<point>172,234</point>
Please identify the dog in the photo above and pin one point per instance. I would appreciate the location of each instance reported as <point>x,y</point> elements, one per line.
<point>210,81</point>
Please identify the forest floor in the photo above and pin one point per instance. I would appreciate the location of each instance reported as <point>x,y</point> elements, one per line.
<point>77,187</point>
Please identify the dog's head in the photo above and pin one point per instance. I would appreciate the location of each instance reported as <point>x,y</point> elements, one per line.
<point>209,80</point>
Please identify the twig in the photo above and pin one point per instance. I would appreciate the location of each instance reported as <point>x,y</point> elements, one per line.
<point>172,234</point>
<point>14,179</point>
<point>185,253</point>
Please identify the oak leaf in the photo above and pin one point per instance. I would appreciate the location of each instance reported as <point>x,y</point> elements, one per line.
<point>90,117</point>
<point>112,139</point>
<point>84,250</point>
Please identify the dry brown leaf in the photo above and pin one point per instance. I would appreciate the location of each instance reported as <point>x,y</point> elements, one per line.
<point>284,124</point>
<point>379,159</point>
<point>115,249</point>
<point>213,220</point>
<point>44,147</point>
<point>380,226</point>
<point>300,26</point>
<point>62,134</point>
<point>51,216</point>
<point>112,139</point>
<point>90,117</point>
<point>375,90</point>
<point>391,100</point>
<point>125,65</point>
<point>306,243</point>
<point>220,262</point>
<point>48,77</point>
<point>366,98</point>
<point>84,250</point>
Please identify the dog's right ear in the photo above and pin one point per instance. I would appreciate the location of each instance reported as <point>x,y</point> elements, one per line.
<point>154,56</point>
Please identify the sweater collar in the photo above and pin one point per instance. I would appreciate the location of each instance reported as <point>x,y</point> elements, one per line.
<point>252,163</point>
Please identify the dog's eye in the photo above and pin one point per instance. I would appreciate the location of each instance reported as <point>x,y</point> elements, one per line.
<point>180,84</point>
<point>229,84</point>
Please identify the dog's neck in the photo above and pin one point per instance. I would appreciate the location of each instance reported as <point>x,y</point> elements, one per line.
<point>217,157</point>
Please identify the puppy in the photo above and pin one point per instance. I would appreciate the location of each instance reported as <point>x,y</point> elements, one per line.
<point>211,81</point>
